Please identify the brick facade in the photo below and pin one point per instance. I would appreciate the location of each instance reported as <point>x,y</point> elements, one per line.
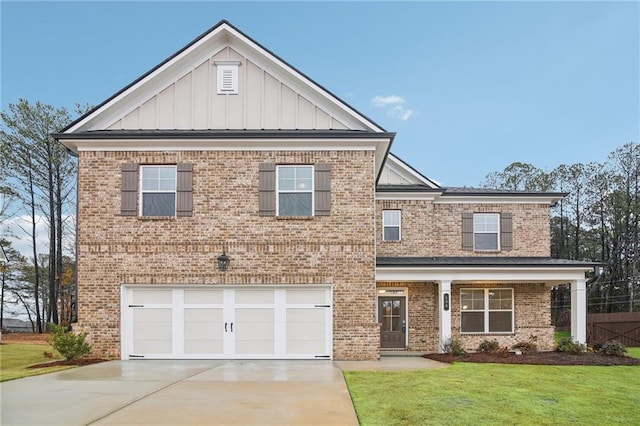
<point>532,316</point>
<point>338,249</point>
<point>432,229</point>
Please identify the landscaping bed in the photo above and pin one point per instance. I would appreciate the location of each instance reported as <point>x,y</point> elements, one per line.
<point>536,358</point>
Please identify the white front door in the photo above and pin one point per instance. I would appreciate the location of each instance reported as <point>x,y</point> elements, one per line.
<point>206,322</point>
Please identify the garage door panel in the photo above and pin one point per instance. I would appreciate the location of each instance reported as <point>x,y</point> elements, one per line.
<point>306,296</point>
<point>254,331</point>
<point>203,331</point>
<point>151,296</point>
<point>258,296</point>
<point>152,331</point>
<point>192,296</point>
<point>306,331</point>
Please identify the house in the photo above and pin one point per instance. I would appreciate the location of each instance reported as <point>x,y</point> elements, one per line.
<point>231,207</point>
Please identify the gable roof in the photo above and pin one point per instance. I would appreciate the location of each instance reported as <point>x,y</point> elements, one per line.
<point>333,112</point>
<point>397,173</point>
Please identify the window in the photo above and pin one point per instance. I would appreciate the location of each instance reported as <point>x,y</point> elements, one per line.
<point>391,225</point>
<point>486,231</point>
<point>158,191</point>
<point>488,310</point>
<point>295,191</point>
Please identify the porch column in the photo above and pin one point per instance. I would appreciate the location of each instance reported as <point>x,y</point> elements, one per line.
<point>444,302</point>
<point>579,310</point>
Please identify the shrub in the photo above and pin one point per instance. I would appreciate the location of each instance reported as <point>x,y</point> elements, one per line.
<point>612,348</point>
<point>69,344</point>
<point>568,345</point>
<point>488,346</point>
<point>453,347</point>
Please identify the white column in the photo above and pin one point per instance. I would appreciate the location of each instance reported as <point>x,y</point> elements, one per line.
<point>579,310</point>
<point>444,302</point>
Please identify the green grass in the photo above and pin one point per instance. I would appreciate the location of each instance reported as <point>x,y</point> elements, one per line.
<point>15,358</point>
<point>561,334</point>
<point>467,393</point>
<point>633,352</point>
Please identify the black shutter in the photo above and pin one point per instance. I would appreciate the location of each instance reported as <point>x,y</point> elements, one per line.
<point>129,190</point>
<point>267,188</point>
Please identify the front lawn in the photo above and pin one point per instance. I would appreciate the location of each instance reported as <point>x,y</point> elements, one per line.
<point>468,393</point>
<point>633,352</point>
<point>16,357</point>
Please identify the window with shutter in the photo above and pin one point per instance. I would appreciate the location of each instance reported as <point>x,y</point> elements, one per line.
<point>157,190</point>
<point>294,190</point>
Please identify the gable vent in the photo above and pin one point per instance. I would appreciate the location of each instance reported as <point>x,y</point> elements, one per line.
<point>227,77</point>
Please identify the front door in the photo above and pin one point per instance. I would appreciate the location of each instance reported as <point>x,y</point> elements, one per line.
<point>391,316</point>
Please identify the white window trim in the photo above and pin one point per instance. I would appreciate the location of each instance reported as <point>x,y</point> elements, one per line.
<point>486,311</point>
<point>294,191</point>
<point>392,226</point>
<point>141,191</point>
<point>486,232</point>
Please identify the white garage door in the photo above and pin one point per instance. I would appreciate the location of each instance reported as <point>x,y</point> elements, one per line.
<point>244,323</point>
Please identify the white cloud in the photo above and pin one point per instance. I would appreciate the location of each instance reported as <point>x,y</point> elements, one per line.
<point>381,101</point>
<point>394,106</point>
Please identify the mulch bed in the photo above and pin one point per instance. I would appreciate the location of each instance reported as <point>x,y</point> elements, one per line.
<point>536,358</point>
<point>74,362</point>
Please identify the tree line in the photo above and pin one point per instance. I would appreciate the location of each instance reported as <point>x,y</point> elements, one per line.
<point>37,189</point>
<point>598,220</point>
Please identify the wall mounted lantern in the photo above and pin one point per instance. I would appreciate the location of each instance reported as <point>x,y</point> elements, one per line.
<point>223,260</point>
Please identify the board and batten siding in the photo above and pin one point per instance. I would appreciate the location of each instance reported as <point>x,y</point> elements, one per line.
<point>262,102</point>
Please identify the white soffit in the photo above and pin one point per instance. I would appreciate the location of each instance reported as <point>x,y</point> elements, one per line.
<point>220,37</point>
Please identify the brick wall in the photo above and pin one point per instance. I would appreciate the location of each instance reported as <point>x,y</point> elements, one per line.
<point>336,249</point>
<point>431,229</point>
<point>532,311</point>
<point>422,312</point>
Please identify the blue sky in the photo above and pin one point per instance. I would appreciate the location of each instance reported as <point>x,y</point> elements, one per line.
<point>469,87</point>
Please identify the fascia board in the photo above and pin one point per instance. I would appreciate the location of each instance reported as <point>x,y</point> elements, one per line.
<point>218,144</point>
<point>407,196</point>
<point>475,274</point>
<point>498,199</point>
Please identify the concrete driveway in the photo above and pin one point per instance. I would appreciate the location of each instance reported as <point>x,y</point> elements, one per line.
<point>197,392</point>
<point>182,393</point>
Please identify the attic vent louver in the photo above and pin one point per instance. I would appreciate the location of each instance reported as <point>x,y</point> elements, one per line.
<point>227,77</point>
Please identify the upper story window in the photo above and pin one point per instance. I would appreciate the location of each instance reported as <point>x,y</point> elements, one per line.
<point>158,191</point>
<point>486,231</point>
<point>487,310</point>
<point>391,225</point>
<point>295,190</point>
